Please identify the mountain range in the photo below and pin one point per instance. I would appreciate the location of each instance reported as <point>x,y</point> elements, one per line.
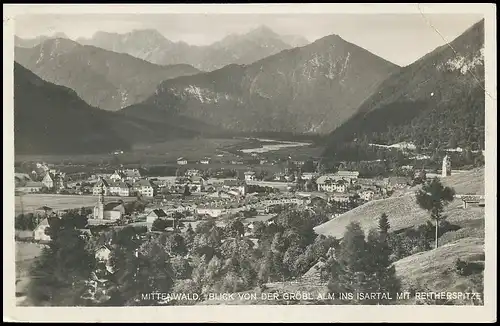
<point>329,87</point>
<point>437,101</point>
<point>150,45</point>
<point>31,42</point>
<point>51,119</point>
<point>309,89</point>
<point>102,78</point>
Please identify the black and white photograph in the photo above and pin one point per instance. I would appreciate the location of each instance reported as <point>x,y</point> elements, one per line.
<point>268,158</point>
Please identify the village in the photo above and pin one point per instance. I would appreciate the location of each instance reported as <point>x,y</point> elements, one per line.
<point>193,195</point>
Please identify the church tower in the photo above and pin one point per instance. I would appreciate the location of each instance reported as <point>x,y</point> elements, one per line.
<point>99,208</point>
<point>446,168</point>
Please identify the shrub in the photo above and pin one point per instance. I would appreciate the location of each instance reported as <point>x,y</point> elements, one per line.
<point>464,268</point>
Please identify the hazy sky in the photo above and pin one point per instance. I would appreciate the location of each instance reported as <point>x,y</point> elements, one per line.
<point>399,38</point>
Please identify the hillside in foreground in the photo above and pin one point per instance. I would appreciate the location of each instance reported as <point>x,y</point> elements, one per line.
<point>434,270</point>
<point>403,212</point>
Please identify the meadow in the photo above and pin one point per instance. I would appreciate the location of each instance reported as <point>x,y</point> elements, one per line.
<point>434,269</point>
<point>30,202</point>
<point>402,212</point>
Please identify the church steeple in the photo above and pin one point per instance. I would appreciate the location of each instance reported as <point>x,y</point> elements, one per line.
<point>99,208</point>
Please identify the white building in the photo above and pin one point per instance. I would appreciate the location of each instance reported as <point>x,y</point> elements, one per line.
<point>155,214</point>
<point>145,188</point>
<point>235,186</point>
<point>119,188</point>
<point>101,187</point>
<point>193,172</point>
<point>211,211</point>
<point>206,160</point>
<point>102,255</point>
<point>308,175</point>
<point>182,161</point>
<point>48,181</point>
<point>39,232</point>
<point>196,184</point>
<point>249,176</point>
<point>111,211</point>
<point>367,194</point>
<point>329,183</point>
<point>117,176</point>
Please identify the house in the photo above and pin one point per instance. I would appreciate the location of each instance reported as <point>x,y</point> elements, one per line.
<point>102,255</point>
<point>211,211</point>
<point>48,181</point>
<point>341,198</point>
<point>101,187</point>
<point>43,211</point>
<point>299,163</point>
<point>326,183</point>
<point>249,176</point>
<point>182,161</point>
<point>119,188</point>
<point>235,186</point>
<point>206,160</point>
<point>220,181</point>
<point>308,175</point>
<point>472,201</point>
<point>350,176</point>
<point>193,172</point>
<point>31,187</point>
<point>155,214</point>
<point>114,211</point>
<point>146,188</point>
<point>397,182</point>
<point>340,186</point>
<point>39,231</point>
<point>196,184</point>
<point>367,194</point>
<point>117,176</point>
<point>132,175</point>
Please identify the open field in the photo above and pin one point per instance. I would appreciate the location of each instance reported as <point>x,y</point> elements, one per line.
<point>146,153</point>
<point>466,182</point>
<point>168,152</point>
<point>403,212</point>
<point>30,202</point>
<point>433,270</point>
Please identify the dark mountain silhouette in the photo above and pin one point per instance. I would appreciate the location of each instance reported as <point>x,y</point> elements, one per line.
<point>102,78</point>
<point>310,89</point>
<point>50,119</point>
<point>437,101</point>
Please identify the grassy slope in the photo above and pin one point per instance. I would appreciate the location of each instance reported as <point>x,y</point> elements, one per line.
<point>466,182</point>
<point>404,212</point>
<point>434,269</point>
